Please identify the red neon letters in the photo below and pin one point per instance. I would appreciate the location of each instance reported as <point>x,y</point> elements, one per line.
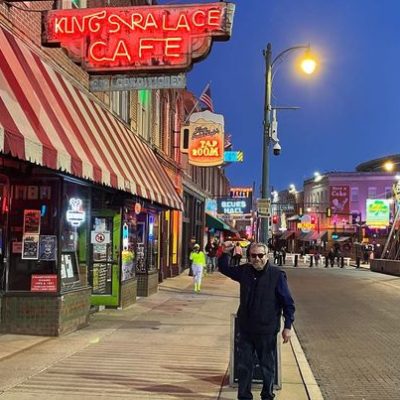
<point>138,38</point>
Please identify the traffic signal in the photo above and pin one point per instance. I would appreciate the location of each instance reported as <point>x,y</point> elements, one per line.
<point>275,219</point>
<point>301,211</point>
<point>328,212</point>
<point>313,219</point>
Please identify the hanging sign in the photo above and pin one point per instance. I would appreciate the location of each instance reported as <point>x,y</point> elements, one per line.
<point>156,38</point>
<point>305,224</point>
<point>75,214</point>
<point>233,156</point>
<point>206,139</point>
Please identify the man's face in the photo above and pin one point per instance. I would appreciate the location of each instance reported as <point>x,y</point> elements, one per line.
<point>258,258</point>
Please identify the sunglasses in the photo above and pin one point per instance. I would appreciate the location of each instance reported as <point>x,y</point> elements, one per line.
<point>259,255</point>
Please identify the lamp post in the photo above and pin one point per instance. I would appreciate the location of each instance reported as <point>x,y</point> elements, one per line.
<point>308,66</point>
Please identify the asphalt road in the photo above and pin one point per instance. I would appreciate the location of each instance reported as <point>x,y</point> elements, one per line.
<point>348,323</point>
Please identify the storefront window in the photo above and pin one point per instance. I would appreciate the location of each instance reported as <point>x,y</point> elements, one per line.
<point>33,228</point>
<point>74,231</point>
<point>129,240</point>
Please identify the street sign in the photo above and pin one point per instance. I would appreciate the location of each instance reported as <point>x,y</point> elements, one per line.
<point>263,207</point>
<point>233,156</point>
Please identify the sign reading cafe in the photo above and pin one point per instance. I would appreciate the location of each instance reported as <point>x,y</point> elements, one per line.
<point>155,38</point>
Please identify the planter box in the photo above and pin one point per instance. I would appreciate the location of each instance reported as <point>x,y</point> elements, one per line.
<point>128,292</point>
<point>147,284</point>
<point>45,315</point>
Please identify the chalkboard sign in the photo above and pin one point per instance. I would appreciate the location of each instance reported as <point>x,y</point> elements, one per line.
<point>140,258</point>
<point>101,278</point>
<point>69,267</point>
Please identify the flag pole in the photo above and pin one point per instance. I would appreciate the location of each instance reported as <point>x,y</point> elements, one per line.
<point>197,102</point>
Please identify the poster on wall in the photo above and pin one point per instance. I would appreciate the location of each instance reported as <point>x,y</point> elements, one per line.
<point>32,221</point>
<point>340,200</point>
<point>30,247</point>
<point>48,247</point>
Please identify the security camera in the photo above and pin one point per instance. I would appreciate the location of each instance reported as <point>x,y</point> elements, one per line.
<point>277,149</point>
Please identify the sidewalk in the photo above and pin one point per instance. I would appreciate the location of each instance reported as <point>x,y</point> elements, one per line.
<point>173,345</point>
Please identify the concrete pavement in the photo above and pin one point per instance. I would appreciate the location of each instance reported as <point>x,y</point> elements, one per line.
<point>172,345</point>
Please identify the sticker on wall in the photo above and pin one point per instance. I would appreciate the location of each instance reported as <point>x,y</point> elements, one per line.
<point>100,237</point>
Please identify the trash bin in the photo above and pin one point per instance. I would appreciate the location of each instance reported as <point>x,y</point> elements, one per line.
<point>257,376</point>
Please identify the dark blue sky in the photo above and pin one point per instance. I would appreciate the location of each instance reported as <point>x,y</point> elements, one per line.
<point>350,111</point>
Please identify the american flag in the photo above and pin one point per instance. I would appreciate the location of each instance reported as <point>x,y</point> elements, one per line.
<point>206,99</point>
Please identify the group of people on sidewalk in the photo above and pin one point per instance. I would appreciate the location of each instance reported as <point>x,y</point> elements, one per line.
<point>264,298</point>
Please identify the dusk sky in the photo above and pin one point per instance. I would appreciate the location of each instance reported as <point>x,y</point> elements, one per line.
<point>350,110</point>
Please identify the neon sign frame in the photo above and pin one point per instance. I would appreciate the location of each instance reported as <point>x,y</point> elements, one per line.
<point>156,38</point>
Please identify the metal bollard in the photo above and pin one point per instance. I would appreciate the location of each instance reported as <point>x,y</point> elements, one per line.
<point>326,261</point>
<point>311,260</point>
<point>341,262</point>
<point>358,261</point>
<point>296,260</point>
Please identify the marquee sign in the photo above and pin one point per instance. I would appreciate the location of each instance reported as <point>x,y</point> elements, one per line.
<point>206,139</point>
<point>305,224</point>
<point>155,38</point>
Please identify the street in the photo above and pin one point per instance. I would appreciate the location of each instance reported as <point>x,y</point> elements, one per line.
<point>175,345</point>
<point>348,325</point>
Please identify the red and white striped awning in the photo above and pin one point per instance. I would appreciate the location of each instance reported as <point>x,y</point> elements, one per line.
<point>48,121</point>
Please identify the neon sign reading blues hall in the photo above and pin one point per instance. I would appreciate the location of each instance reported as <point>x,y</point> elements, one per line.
<point>234,206</point>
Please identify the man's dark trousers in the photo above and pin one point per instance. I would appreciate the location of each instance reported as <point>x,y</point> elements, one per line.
<point>265,347</point>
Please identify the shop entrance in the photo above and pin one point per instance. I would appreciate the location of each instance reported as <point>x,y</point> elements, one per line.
<point>105,245</point>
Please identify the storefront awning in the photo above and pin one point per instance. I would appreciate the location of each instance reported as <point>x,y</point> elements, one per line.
<point>218,224</point>
<point>342,239</point>
<point>312,236</point>
<point>48,121</point>
<point>286,235</point>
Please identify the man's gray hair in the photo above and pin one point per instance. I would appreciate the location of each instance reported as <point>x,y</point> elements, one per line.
<point>259,244</point>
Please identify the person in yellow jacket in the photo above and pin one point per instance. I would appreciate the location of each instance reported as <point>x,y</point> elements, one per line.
<point>198,259</point>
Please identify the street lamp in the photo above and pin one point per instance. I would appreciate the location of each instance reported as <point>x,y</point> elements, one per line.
<point>308,66</point>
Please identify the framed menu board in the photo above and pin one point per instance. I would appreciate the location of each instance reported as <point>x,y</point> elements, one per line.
<point>69,267</point>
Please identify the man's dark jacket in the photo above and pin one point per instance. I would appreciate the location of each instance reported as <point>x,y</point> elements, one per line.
<point>263,296</point>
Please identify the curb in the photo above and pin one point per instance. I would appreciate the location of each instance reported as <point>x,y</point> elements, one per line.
<point>311,385</point>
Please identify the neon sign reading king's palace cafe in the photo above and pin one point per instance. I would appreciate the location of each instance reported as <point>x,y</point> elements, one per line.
<point>138,38</point>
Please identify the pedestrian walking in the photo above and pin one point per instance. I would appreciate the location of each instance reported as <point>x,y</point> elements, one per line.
<point>211,252</point>
<point>264,296</point>
<point>283,253</point>
<point>198,259</point>
<point>317,257</point>
<point>331,257</point>
<point>237,254</point>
